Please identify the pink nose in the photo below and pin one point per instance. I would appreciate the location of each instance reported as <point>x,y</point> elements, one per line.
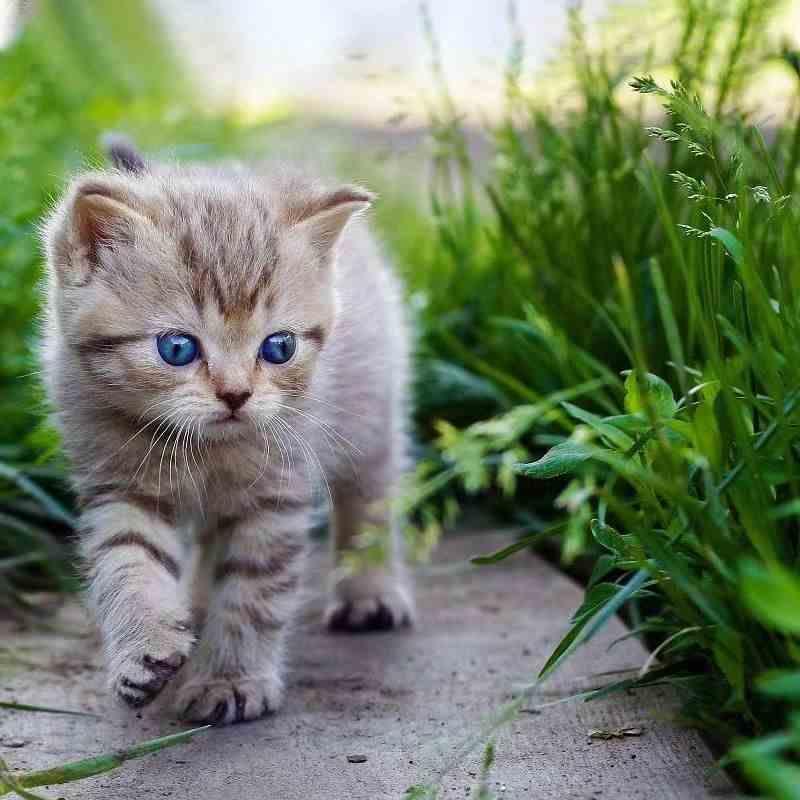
<point>234,400</point>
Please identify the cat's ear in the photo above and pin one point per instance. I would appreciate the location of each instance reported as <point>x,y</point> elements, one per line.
<point>96,214</point>
<point>122,153</point>
<point>324,220</point>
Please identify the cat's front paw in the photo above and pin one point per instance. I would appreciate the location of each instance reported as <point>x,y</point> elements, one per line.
<point>140,681</point>
<point>140,673</point>
<point>370,601</point>
<point>227,700</point>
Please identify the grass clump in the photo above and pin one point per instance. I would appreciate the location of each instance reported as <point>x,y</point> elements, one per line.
<point>624,288</point>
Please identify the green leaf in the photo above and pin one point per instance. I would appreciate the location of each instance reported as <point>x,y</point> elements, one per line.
<point>624,593</point>
<point>629,423</point>
<point>770,745</point>
<point>773,594</point>
<point>643,391</point>
<point>521,544</point>
<point>604,564</point>
<point>612,433</point>
<point>729,656</point>
<point>607,537</point>
<point>782,683</point>
<point>562,459</point>
<point>564,648</point>
<point>603,601</point>
<point>625,547</point>
<point>730,243</point>
<point>678,568</point>
<point>791,508</point>
<point>595,598</point>
<point>441,383</point>
<point>678,431</point>
<point>777,776</point>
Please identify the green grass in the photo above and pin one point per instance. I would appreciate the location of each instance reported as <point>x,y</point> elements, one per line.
<point>621,288</point>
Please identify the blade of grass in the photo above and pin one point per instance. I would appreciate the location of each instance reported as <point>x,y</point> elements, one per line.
<point>89,767</point>
<point>7,704</point>
<point>521,544</point>
<point>582,631</point>
<point>56,510</point>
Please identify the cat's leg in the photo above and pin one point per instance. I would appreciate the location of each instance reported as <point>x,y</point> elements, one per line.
<point>372,596</point>
<point>236,671</point>
<point>134,565</point>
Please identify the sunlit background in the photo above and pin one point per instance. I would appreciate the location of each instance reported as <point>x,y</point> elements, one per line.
<point>375,64</point>
<point>356,58</point>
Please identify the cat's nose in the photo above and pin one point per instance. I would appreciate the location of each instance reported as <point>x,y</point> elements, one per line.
<point>234,400</point>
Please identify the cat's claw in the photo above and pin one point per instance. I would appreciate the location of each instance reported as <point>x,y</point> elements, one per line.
<point>141,682</point>
<point>370,602</point>
<point>227,701</point>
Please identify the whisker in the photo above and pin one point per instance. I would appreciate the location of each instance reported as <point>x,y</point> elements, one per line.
<point>331,433</point>
<point>132,437</point>
<point>185,452</point>
<point>165,422</point>
<point>306,449</point>
<point>265,437</point>
<point>325,426</point>
<point>201,494</point>
<point>173,458</point>
<point>333,406</point>
<point>284,450</point>
<point>170,431</point>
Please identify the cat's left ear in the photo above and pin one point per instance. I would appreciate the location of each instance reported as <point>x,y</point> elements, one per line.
<point>324,220</point>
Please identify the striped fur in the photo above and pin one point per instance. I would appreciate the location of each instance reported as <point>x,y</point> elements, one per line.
<point>194,517</point>
<point>134,539</point>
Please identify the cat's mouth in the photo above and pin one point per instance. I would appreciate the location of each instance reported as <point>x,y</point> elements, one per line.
<point>228,419</point>
<point>226,426</point>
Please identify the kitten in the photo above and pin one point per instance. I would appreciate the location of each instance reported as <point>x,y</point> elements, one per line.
<point>213,340</point>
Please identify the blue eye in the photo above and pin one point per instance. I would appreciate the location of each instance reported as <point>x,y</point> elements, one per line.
<point>278,348</point>
<point>177,349</point>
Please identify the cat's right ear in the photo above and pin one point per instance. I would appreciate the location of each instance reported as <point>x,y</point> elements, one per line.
<point>96,216</point>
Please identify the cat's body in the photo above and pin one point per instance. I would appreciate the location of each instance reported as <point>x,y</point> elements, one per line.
<point>197,479</point>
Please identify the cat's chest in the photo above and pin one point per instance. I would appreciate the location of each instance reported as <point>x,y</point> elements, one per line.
<point>226,480</point>
<point>195,482</point>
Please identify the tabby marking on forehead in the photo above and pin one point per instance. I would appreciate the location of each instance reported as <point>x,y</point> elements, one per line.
<point>233,297</point>
<point>235,291</point>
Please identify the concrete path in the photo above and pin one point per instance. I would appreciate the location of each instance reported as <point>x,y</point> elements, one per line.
<point>404,701</point>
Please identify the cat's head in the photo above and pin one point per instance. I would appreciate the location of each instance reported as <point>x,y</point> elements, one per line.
<point>195,297</point>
